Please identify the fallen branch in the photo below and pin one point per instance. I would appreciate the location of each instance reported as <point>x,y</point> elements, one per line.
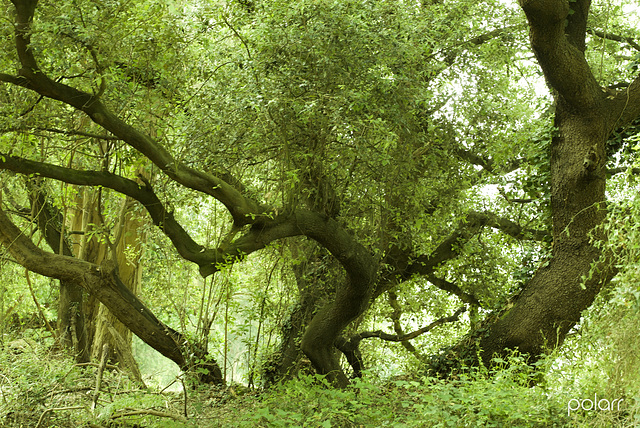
<point>55,409</point>
<point>103,363</point>
<point>148,412</point>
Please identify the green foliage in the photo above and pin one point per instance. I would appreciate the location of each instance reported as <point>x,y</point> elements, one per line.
<point>503,397</point>
<point>358,110</point>
<point>472,400</point>
<point>40,386</point>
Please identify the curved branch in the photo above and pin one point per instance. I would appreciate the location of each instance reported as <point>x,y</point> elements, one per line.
<point>242,209</point>
<point>557,30</point>
<point>511,228</point>
<point>350,347</point>
<point>624,106</point>
<point>408,336</point>
<point>101,281</point>
<point>397,327</point>
<point>450,247</point>
<point>184,244</point>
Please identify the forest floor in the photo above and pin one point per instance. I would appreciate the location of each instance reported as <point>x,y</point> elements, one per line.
<point>42,387</point>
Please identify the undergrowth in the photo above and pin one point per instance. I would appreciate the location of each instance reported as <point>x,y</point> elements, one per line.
<point>43,388</point>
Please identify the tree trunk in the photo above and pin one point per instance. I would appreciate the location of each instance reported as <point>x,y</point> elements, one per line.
<point>311,280</point>
<point>552,302</point>
<point>71,321</point>
<point>72,331</point>
<point>103,282</point>
<point>108,329</point>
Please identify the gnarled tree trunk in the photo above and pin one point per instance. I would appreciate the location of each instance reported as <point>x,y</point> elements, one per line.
<point>586,114</point>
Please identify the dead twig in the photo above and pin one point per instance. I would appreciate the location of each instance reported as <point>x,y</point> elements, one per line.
<point>101,366</point>
<point>148,412</point>
<point>55,409</point>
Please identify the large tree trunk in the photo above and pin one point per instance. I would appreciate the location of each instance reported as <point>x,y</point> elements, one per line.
<point>85,221</point>
<point>311,280</point>
<point>553,300</point>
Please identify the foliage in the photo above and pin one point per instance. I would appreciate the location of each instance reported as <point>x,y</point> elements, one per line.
<point>397,121</point>
<point>474,399</point>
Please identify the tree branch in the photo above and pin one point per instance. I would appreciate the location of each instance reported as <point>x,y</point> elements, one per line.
<point>350,347</point>
<point>450,247</point>
<point>614,171</point>
<point>184,244</point>
<point>511,228</point>
<point>397,327</point>
<point>100,281</point>
<point>396,338</point>
<point>452,288</point>
<point>624,107</point>
<point>62,131</point>
<point>560,53</point>
<point>615,37</point>
<point>242,209</point>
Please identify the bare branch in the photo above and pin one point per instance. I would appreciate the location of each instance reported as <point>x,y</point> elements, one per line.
<point>350,347</point>
<point>397,327</point>
<point>619,170</point>
<point>395,338</point>
<point>142,412</point>
<point>616,38</point>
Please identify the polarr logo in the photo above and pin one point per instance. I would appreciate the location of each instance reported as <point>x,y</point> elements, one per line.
<point>588,404</point>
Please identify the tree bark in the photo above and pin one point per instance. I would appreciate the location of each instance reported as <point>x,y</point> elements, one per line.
<point>312,278</point>
<point>553,300</point>
<point>108,328</point>
<point>71,326</point>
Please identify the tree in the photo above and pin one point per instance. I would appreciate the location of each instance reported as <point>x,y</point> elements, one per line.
<point>331,122</point>
<point>586,115</point>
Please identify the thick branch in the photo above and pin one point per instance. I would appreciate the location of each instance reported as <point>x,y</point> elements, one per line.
<point>100,281</point>
<point>162,218</point>
<point>242,209</point>
<point>560,53</point>
<point>450,247</point>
